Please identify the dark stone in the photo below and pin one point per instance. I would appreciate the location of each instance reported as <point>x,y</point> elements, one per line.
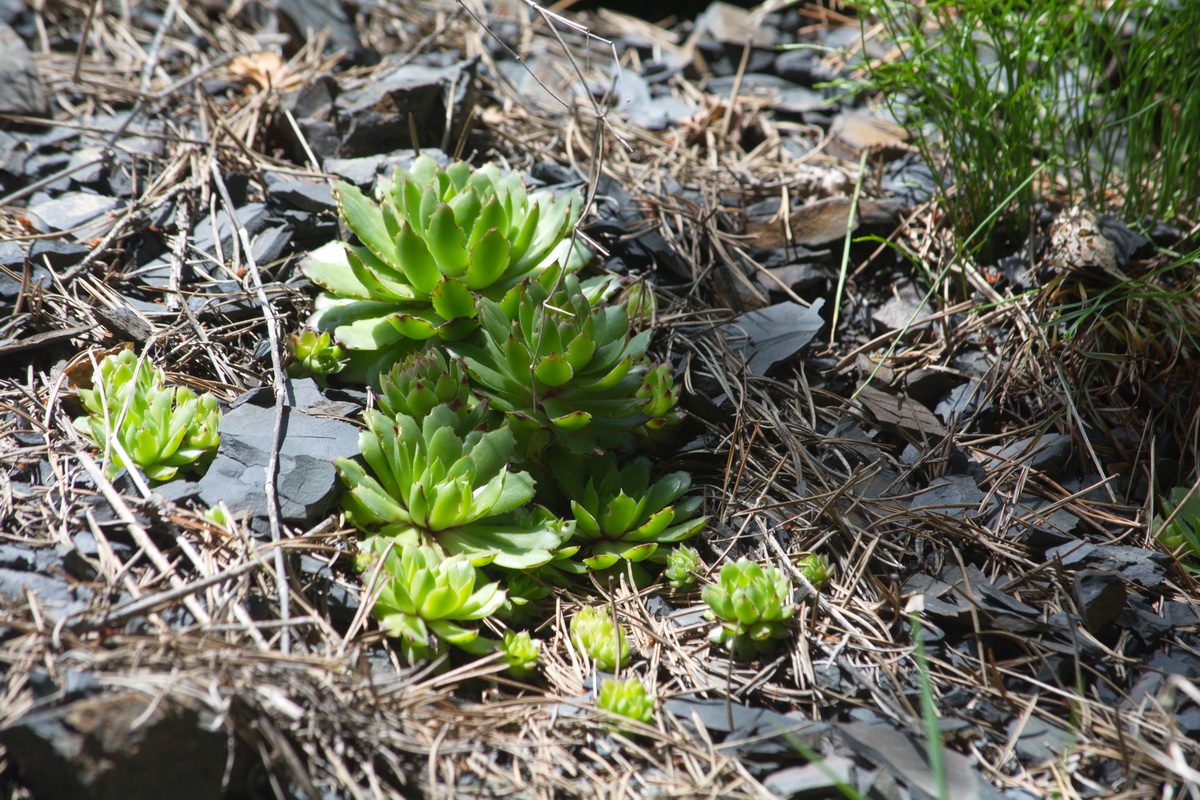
<point>300,194</point>
<point>1046,453</point>
<point>21,90</point>
<point>307,482</point>
<point>775,334</point>
<point>953,495</point>
<point>55,596</point>
<point>803,67</point>
<point>1101,596</point>
<point>17,557</point>
<point>70,210</point>
<point>121,746</point>
<point>376,116</point>
<point>252,216</point>
<point>59,255</point>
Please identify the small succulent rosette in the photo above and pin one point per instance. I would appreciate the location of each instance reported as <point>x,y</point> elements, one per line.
<point>596,635</point>
<point>139,421</point>
<point>752,605</point>
<point>422,597</point>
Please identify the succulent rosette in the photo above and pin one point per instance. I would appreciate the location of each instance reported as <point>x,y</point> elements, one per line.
<point>627,699</point>
<point>521,652</point>
<point>159,428</point>
<point>422,596</point>
<point>620,514</point>
<point>561,365</point>
<point>595,634</point>
<point>817,569</point>
<point>752,605</point>
<point>425,483</point>
<point>431,241</point>
<point>683,563</point>
<point>315,354</point>
<point>425,380</point>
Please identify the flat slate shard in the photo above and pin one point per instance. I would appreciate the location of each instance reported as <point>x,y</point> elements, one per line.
<point>906,760</point>
<point>307,481</point>
<point>117,747</point>
<point>776,333</point>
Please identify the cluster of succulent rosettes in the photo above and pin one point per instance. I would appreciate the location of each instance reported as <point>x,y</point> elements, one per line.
<point>133,414</point>
<point>619,513</point>
<point>595,634</point>
<point>432,241</point>
<point>817,569</point>
<point>625,699</point>
<point>425,380</point>
<point>422,595</point>
<point>425,483</point>
<point>752,605</point>
<point>314,355</point>
<point>561,365</point>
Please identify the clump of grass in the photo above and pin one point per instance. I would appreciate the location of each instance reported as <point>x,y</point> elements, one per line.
<point>1100,97</point>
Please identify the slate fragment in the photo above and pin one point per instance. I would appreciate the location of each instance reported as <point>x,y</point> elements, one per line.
<point>1045,453</point>
<point>908,762</point>
<point>55,597</point>
<point>72,210</point>
<point>953,495</point>
<point>811,781</point>
<point>116,747</point>
<point>21,90</point>
<point>1039,741</point>
<point>1100,595</point>
<point>376,115</point>
<point>307,481</point>
<point>1146,568</point>
<point>774,334</point>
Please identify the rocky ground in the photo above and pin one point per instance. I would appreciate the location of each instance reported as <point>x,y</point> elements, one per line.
<point>164,167</point>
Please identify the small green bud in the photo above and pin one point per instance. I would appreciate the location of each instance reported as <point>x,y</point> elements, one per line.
<point>522,653</point>
<point>315,354</point>
<point>682,564</point>
<point>817,569</point>
<point>596,635</point>
<point>626,699</point>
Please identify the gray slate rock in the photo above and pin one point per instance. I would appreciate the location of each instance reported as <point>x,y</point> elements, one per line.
<point>71,210</point>
<point>21,90</point>
<point>119,747</point>
<point>307,481</point>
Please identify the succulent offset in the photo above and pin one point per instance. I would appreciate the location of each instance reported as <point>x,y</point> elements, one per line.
<point>427,484</point>
<point>596,635</point>
<point>424,380</point>
<point>683,563</point>
<point>752,605</point>
<point>431,242</point>
<point>817,569</point>
<point>626,699</point>
<point>561,366</point>
<point>421,596</point>
<point>315,354</point>
<point>619,513</point>
<point>521,652</point>
<point>133,414</point>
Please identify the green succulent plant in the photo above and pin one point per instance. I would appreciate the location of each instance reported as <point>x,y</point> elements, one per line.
<point>596,635</point>
<point>422,596</point>
<point>817,569</point>
<point>429,484</point>
<point>1182,534</point>
<point>133,413</point>
<point>626,699</point>
<point>433,240</point>
<point>315,354</point>
<point>683,563</point>
<point>521,652</point>
<point>752,605</point>
<point>424,380</point>
<point>620,514</point>
<point>561,365</point>
<point>661,391</point>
